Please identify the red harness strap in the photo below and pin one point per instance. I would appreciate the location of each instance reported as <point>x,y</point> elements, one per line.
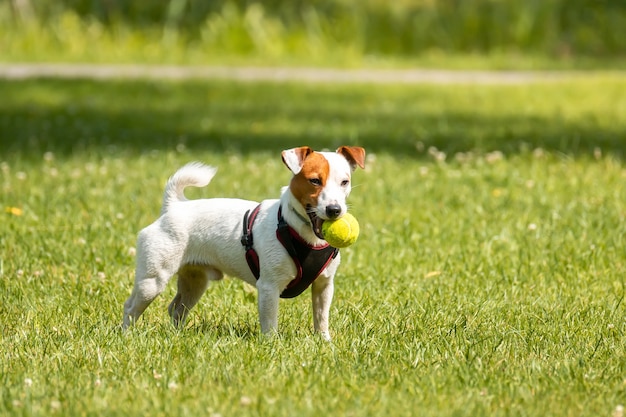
<point>310,260</point>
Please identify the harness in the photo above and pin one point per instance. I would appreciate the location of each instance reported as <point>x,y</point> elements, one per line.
<point>310,260</point>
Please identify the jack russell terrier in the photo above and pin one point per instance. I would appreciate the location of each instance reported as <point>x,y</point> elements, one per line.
<point>276,245</point>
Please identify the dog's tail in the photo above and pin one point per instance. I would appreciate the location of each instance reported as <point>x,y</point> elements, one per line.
<point>194,174</point>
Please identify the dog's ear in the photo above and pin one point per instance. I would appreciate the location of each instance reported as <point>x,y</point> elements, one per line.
<point>294,158</point>
<point>354,154</point>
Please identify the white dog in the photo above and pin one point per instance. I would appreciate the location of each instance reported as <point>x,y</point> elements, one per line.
<point>275,245</point>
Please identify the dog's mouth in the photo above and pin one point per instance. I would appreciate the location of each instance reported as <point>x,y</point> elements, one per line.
<point>316,222</point>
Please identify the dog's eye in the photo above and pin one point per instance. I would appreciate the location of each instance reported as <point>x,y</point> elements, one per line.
<point>315,181</point>
<point>345,183</point>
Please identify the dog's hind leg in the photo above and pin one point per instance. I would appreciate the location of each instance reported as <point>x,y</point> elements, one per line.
<point>159,257</point>
<point>146,289</point>
<point>151,276</point>
<point>193,280</point>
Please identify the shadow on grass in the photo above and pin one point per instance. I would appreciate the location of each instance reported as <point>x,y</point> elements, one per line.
<point>70,117</point>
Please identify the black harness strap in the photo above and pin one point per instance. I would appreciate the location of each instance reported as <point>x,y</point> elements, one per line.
<point>309,260</point>
<point>248,241</point>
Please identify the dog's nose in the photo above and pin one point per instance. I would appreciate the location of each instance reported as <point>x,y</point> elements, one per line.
<point>333,211</point>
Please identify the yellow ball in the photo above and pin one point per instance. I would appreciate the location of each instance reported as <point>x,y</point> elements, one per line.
<point>342,232</point>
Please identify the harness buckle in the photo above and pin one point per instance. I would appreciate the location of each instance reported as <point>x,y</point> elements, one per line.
<point>246,241</point>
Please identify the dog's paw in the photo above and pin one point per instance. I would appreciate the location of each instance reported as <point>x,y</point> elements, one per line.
<point>325,336</point>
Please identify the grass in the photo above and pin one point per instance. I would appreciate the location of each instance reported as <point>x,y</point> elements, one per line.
<point>488,278</point>
<point>511,34</point>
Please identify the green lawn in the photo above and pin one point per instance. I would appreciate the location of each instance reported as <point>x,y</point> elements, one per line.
<point>506,34</point>
<point>488,278</point>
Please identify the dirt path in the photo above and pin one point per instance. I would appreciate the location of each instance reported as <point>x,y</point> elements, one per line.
<point>310,75</point>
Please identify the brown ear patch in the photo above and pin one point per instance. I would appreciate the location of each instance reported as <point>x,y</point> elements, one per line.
<point>303,185</point>
<point>354,154</point>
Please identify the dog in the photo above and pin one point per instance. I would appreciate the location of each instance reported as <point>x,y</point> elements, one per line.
<point>203,240</point>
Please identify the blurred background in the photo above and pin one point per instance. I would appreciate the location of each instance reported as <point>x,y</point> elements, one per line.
<point>494,34</point>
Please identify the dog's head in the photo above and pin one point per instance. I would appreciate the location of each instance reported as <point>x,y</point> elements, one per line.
<point>322,181</point>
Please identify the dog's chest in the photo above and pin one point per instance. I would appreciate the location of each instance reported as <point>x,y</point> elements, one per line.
<point>310,261</point>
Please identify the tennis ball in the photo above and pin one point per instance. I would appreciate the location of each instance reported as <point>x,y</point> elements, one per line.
<point>342,232</point>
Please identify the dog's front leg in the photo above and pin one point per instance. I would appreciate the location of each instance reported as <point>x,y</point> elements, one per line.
<point>322,296</point>
<point>269,295</point>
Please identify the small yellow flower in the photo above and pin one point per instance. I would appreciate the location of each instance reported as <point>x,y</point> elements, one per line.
<point>16,211</point>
